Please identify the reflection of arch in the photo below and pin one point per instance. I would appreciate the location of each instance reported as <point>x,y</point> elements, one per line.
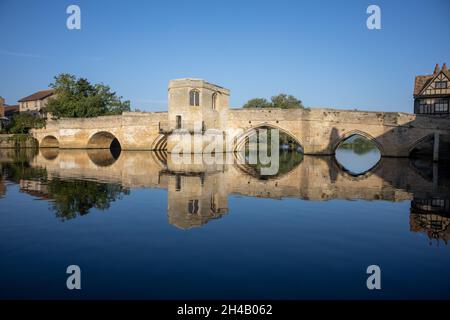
<point>49,153</point>
<point>160,157</point>
<point>159,148</point>
<point>243,138</point>
<point>103,157</point>
<point>363,134</point>
<point>284,169</point>
<point>49,142</point>
<point>357,176</point>
<point>422,167</point>
<point>103,140</point>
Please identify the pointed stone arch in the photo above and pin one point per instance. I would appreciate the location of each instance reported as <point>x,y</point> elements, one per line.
<point>240,140</point>
<point>416,143</point>
<point>363,134</point>
<point>160,143</point>
<point>423,147</point>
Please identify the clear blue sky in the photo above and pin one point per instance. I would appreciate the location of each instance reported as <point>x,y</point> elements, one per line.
<point>319,51</point>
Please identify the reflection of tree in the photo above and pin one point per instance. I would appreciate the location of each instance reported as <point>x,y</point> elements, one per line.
<point>72,197</point>
<point>359,145</point>
<point>20,168</point>
<point>288,160</point>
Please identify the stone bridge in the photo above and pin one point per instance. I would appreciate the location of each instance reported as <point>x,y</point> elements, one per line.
<point>196,106</point>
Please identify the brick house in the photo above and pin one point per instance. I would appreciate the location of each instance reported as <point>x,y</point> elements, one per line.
<point>36,103</point>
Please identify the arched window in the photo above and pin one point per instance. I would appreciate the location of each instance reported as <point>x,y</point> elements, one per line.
<point>194,98</point>
<point>214,101</point>
<point>193,206</point>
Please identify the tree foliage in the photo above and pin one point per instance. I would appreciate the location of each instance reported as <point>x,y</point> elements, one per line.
<point>23,122</point>
<point>78,98</point>
<point>257,103</point>
<point>282,101</point>
<point>359,145</point>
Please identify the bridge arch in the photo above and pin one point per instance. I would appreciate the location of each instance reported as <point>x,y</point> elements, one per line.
<point>363,134</point>
<point>49,142</point>
<point>241,140</point>
<point>49,153</point>
<point>103,140</point>
<point>160,143</point>
<point>428,138</point>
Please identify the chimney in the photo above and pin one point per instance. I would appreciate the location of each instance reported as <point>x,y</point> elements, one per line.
<point>436,69</point>
<point>444,67</point>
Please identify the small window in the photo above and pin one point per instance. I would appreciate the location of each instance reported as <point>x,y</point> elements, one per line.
<point>177,183</point>
<point>214,101</point>
<point>441,106</point>
<point>194,98</point>
<point>193,206</point>
<point>441,84</point>
<point>213,205</point>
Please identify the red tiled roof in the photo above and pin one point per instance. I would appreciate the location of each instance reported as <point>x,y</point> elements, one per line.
<point>38,95</point>
<point>422,81</point>
<point>11,108</point>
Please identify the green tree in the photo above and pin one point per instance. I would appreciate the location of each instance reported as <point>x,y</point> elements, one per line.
<point>358,144</point>
<point>78,98</point>
<point>23,122</point>
<point>257,103</point>
<point>282,101</point>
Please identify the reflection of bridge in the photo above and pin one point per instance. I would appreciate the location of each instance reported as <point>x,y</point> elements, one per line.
<point>199,192</point>
<point>318,131</point>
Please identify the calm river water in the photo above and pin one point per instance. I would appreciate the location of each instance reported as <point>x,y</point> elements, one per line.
<point>140,226</point>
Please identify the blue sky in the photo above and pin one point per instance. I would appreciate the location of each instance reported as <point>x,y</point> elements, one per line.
<point>319,51</point>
